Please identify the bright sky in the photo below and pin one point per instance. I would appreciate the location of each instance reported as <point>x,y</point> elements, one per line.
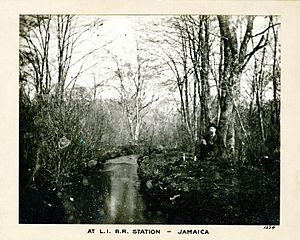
<point>120,32</point>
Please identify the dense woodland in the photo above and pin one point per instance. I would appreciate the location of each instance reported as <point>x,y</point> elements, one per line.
<point>91,90</point>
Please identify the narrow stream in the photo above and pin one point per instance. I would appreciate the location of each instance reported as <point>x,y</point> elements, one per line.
<point>123,203</point>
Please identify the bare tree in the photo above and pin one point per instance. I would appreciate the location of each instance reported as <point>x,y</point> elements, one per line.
<point>234,59</point>
<point>186,51</point>
<point>48,46</point>
<point>135,96</point>
<point>275,72</point>
<point>196,29</point>
<point>69,33</point>
<point>34,52</point>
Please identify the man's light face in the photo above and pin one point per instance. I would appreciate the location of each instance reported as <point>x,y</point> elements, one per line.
<point>212,130</point>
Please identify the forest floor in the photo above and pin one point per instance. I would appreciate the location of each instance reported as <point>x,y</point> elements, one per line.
<point>170,187</point>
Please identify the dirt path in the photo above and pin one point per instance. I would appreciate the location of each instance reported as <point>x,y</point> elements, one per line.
<point>123,202</point>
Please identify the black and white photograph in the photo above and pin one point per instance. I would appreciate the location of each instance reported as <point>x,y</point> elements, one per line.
<point>149,119</point>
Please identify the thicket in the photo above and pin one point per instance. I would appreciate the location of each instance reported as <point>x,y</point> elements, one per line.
<point>58,148</point>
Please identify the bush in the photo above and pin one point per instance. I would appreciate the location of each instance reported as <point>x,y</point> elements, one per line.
<point>56,149</point>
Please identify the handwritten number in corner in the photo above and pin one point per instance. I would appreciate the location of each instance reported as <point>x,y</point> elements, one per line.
<point>269,227</point>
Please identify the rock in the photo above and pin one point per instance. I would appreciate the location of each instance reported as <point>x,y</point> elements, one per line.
<point>92,163</point>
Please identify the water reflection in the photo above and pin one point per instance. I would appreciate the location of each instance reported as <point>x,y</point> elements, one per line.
<point>123,202</point>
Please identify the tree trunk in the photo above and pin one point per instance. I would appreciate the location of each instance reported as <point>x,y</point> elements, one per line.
<point>275,76</point>
<point>205,51</point>
<point>228,84</point>
<point>235,58</point>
